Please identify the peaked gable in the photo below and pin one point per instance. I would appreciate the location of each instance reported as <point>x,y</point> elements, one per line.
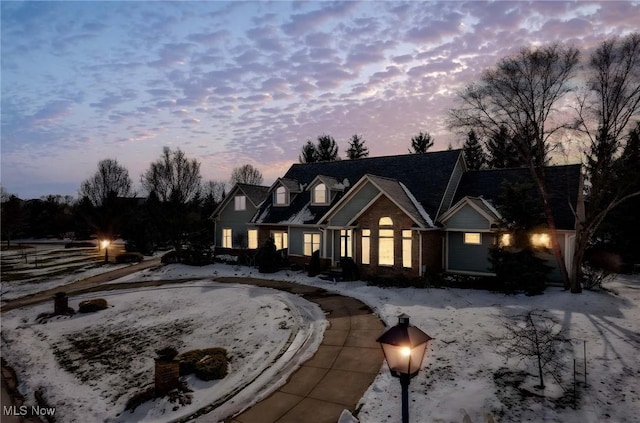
<point>255,193</point>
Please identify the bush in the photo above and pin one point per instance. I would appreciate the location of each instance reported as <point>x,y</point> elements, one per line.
<point>594,277</point>
<point>189,360</point>
<point>212,367</point>
<point>190,256</point>
<point>314,265</point>
<point>349,269</point>
<point>93,305</point>
<point>519,270</point>
<point>129,258</point>
<point>267,257</point>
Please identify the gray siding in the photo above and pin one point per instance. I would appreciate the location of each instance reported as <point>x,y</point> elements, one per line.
<point>296,240</point>
<point>236,220</point>
<point>468,218</point>
<point>456,175</point>
<point>355,205</point>
<point>468,257</point>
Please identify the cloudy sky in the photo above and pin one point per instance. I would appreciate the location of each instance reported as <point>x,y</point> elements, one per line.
<point>250,82</point>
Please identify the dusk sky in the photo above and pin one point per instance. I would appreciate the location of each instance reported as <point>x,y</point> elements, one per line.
<point>250,82</point>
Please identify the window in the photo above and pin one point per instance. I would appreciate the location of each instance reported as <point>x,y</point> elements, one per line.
<point>226,238</point>
<point>366,246</point>
<point>320,194</point>
<point>346,249</point>
<point>281,195</point>
<point>240,202</point>
<point>281,240</point>
<point>311,243</point>
<point>385,242</point>
<point>252,236</point>
<point>406,249</point>
<point>506,240</point>
<point>541,240</point>
<point>385,247</point>
<point>472,238</point>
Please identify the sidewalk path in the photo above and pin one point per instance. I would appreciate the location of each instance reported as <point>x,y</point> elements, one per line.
<point>340,372</point>
<point>80,285</point>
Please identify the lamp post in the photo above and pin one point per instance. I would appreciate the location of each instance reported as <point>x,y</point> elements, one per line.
<point>403,347</point>
<point>105,244</point>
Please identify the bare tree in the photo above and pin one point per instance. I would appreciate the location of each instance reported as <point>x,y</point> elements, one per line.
<point>214,190</point>
<point>110,180</point>
<point>246,174</point>
<point>522,94</point>
<point>535,336</point>
<point>606,113</point>
<point>421,143</point>
<point>173,177</point>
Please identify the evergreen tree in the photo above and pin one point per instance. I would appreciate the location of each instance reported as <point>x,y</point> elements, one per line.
<point>309,153</point>
<point>501,153</point>
<point>421,143</point>
<point>473,152</point>
<point>357,149</point>
<point>326,149</point>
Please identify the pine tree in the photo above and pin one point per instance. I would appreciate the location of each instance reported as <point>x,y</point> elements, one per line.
<point>326,149</point>
<point>473,152</point>
<point>501,153</point>
<point>309,154</point>
<point>357,149</point>
<point>421,143</point>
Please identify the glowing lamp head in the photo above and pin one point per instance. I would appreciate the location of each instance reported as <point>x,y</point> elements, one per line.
<point>403,347</point>
<point>105,243</point>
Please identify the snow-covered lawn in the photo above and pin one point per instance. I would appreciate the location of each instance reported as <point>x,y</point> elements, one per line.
<point>90,364</point>
<point>461,371</point>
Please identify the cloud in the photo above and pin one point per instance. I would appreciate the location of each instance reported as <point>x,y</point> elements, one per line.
<point>307,22</point>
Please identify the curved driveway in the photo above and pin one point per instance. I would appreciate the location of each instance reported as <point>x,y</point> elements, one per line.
<point>334,379</point>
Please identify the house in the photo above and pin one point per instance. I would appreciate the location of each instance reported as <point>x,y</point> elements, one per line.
<point>409,214</point>
<point>233,213</point>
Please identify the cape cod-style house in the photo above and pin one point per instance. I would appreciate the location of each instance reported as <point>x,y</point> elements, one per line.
<point>408,214</point>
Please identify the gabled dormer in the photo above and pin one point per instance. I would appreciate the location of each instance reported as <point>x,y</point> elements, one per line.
<point>324,189</point>
<point>284,190</point>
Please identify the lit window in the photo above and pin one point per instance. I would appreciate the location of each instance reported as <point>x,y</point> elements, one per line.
<point>541,240</point>
<point>366,245</point>
<point>406,249</point>
<point>281,240</point>
<point>472,238</point>
<point>240,202</point>
<point>311,243</point>
<point>506,240</point>
<point>281,195</point>
<point>345,243</point>
<point>226,238</point>
<point>320,194</point>
<point>385,247</point>
<point>252,236</point>
<point>385,221</point>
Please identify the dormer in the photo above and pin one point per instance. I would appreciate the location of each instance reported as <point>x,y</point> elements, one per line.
<point>284,191</point>
<point>323,190</point>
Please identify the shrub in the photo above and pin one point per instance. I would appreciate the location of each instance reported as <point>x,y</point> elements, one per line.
<point>189,360</point>
<point>189,256</point>
<point>314,265</point>
<point>349,269</point>
<point>267,257</point>
<point>93,305</point>
<point>129,257</point>
<point>211,367</point>
<point>519,270</point>
<point>594,277</point>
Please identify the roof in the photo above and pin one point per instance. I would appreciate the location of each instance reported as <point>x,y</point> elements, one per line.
<point>563,183</point>
<point>426,176</point>
<point>481,205</point>
<point>256,193</point>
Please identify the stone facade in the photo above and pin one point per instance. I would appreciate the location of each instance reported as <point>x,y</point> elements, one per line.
<point>167,375</point>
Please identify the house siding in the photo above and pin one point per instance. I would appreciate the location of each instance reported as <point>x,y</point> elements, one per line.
<point>354,205</point>
<point>237,222</point>
<point>468,257</point>
<point>296,240</point>
<point>468,218</point>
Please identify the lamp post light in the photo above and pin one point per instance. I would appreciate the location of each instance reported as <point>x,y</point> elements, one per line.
<point>105,244</point>
<point>403,347</point>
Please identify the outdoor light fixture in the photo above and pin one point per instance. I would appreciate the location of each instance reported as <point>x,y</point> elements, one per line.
<point>403,347</point>
<point>105,244</point>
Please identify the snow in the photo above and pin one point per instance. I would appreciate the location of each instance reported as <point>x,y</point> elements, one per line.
<point>462,373</point>
<point>302,216</point>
